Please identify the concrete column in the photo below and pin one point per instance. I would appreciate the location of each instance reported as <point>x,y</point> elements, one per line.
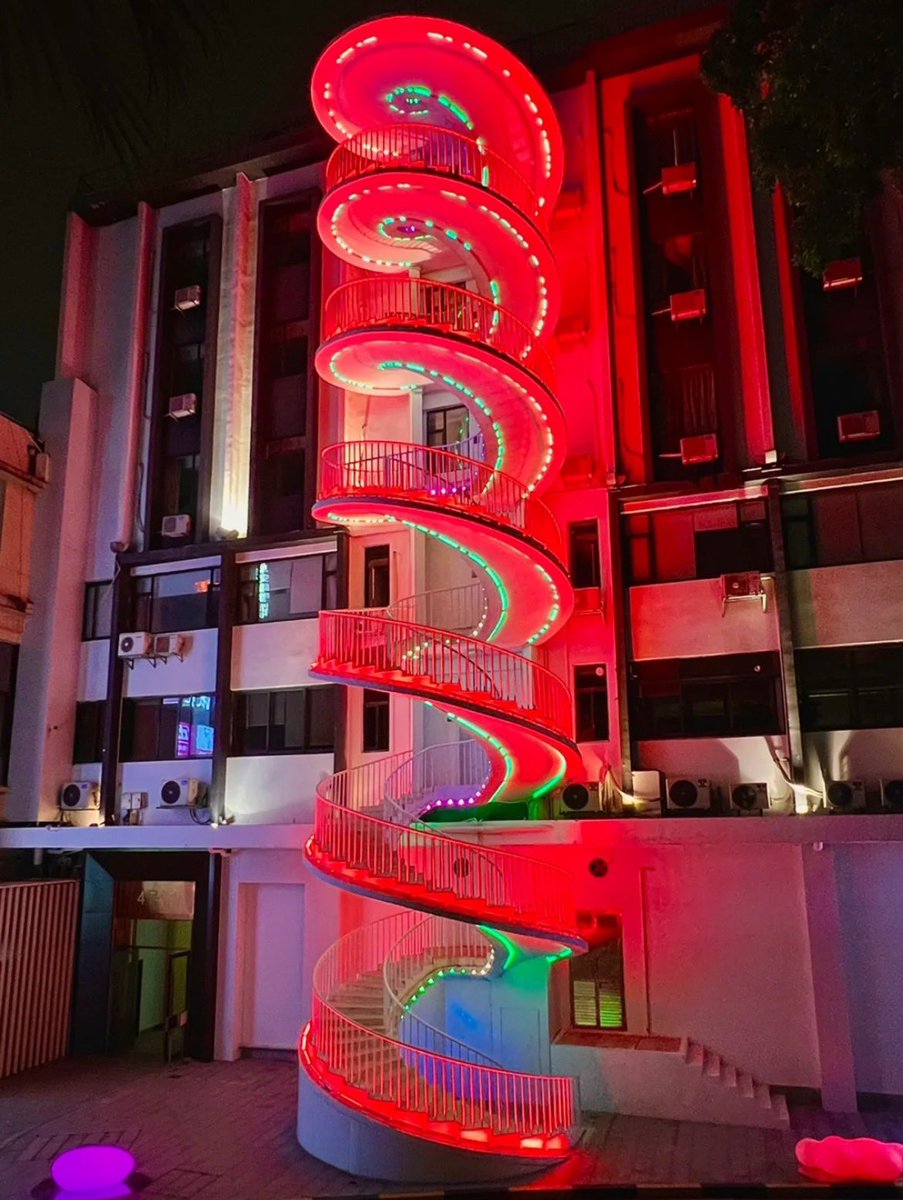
<point>832,1007</point>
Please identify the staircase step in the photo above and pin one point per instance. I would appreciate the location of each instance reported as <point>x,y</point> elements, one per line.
<point>711,1064</point>
<point>763,1094</point>
<point>779,1107</point>
<point>695,1054</point>
<point>745,1085</point>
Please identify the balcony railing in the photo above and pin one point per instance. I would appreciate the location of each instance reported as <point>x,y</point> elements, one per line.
<point>411,472</point>
<point>446,664</point>
<point>424,304</point>
<point>443,152</point>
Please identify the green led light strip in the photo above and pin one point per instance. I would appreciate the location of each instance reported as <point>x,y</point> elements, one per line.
<point>412,96</point>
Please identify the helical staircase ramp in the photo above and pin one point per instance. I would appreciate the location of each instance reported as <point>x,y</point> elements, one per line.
<point>449,152</point>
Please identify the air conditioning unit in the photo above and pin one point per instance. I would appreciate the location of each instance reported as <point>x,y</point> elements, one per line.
<point>132,801</point>
<point>892,795</point>
<point>749,797</point>
<point>742,585</point>
<point>134,645</point>
<point>79,794</point>
<point>688,795</point>
<point>687,306</point>
<point>184,405</point>
<point>700,449</point>
<point>587,600</point>
<point>859,427</point>
<point>187,298</point>
<point>576,800</point>
<point>845,795</point>
<point>844,273</point>
<point>168,645</point>
<point>176,526</point>
<point>181,793</point>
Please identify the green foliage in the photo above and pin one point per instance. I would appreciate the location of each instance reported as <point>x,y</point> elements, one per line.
<point>821,85</point>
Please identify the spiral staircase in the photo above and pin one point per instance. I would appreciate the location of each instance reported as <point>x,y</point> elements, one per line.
<point>449,155</point>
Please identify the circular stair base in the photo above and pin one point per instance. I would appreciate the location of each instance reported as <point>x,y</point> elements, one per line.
<point>370,1150</point>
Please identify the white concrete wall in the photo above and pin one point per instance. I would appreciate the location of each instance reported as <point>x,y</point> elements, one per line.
<point>275,654</point>
<point>685,620</point>
<point>725,761</point>
<point>846,606</point>
<point>276,788</point>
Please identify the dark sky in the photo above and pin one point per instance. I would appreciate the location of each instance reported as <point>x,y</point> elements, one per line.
<point>246,79</point>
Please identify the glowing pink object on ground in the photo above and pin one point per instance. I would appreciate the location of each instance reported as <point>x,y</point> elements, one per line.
<point>92,1169</point>
<point>850,1160</point>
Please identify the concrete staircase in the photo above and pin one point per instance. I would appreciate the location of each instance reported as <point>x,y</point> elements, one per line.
<point>772,1106</point>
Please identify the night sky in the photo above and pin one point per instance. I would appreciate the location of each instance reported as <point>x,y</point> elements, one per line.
<point>248,79</point>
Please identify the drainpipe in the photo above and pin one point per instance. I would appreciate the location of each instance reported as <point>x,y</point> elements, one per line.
<point>785,631</point>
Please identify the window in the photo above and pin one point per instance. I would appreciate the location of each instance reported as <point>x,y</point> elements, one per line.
<point>9,662</point>
<point>290,721</point>
<point>287,588</point>
<point>376,720</point>
<point>160,728</point>
<point>376,577</point>
<point>584,550</point>
<point>89,716</point>
<point>697,543</point>
<point>838,526</point>
<point>446,426</point>
<point>591,703</point>
<point>851,687</point>
<point>176,601</point>
<point>97,615</point>
<point>597,977</point>
<point>731,695</point>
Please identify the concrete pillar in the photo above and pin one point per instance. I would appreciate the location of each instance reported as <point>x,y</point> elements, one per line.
<point>832,1006</point>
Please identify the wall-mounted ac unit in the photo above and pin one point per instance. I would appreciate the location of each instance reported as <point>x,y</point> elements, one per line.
<point>176,526</point>
<point>844,273</point>
<point>702,448</point>
<point>587,600</point>
<point>687,306</point>
<point>892,795</point>
<point>134,645</point>
<point>168,645</point>
<point>183,405</point>
<point>187,298</point>
<point>181,793</point>
<point>749,797</point>
<point>846,795</point>
<point>688,795</point>
<point>742,586</point>
<point>679,179</point>
<point>576,800</point>
<point>79,794</point>
<point>859,427</point>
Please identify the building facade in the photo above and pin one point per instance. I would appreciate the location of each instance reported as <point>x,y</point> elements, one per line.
<point>497,464</point>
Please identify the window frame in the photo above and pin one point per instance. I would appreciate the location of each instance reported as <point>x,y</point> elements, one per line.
<point>599,687</point>
<point>588,532</point>
<point>131,704</point>
<point>381,701</point>
<point>372,564</point>
<point>272,695</point>
<point>90,606</point>
<point>145,600</point>
<point>581,962</point>
<point>245,585</point>
<point>851,669</point>
<point>98,710</point>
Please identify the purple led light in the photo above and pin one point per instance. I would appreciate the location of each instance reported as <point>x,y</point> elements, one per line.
<point>92,1169</point>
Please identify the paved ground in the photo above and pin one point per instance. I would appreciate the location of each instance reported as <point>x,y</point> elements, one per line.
<point>225,1131</point>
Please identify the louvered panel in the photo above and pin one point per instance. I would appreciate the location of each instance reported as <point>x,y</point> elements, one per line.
<point>37,960</point>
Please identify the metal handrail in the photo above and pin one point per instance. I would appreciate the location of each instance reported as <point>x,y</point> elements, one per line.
<point>427,305</point>
<point>430,148</point>
<point>434,1085</point>
<point>457,609</point>
<point>412,472</point>
<point>446,663</point>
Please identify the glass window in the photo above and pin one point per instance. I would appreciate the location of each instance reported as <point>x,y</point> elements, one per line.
<point>176,601</point>
<point>597,977</point>
<point>97,618</point>
<point>287,588</point>
<point>851,687</point>
<point>288,721</point>
<point>9,663</point>
<point>89,715</point>
<point>160,728</point>
<point>591,703</point>
<point>731,695</point>
<point>584,547</point>
<point>376,721</point>
<point>377,590</point>
<point>446,426</point>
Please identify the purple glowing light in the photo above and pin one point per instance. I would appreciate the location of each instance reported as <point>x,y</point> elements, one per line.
<point>92,1169</point>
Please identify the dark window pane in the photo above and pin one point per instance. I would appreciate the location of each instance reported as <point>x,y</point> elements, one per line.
<point>591,703</point>
<point>376,720</point>
<point>89,716</point>
<point>584,547</point>
<point>376,577</point>
<point>287,588</point>
<point>98,612</point>
<point>321,718</point>
<point>183,600</point>
<point>142,745</point>
<point>288,721</point>
<point>733,695</point>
